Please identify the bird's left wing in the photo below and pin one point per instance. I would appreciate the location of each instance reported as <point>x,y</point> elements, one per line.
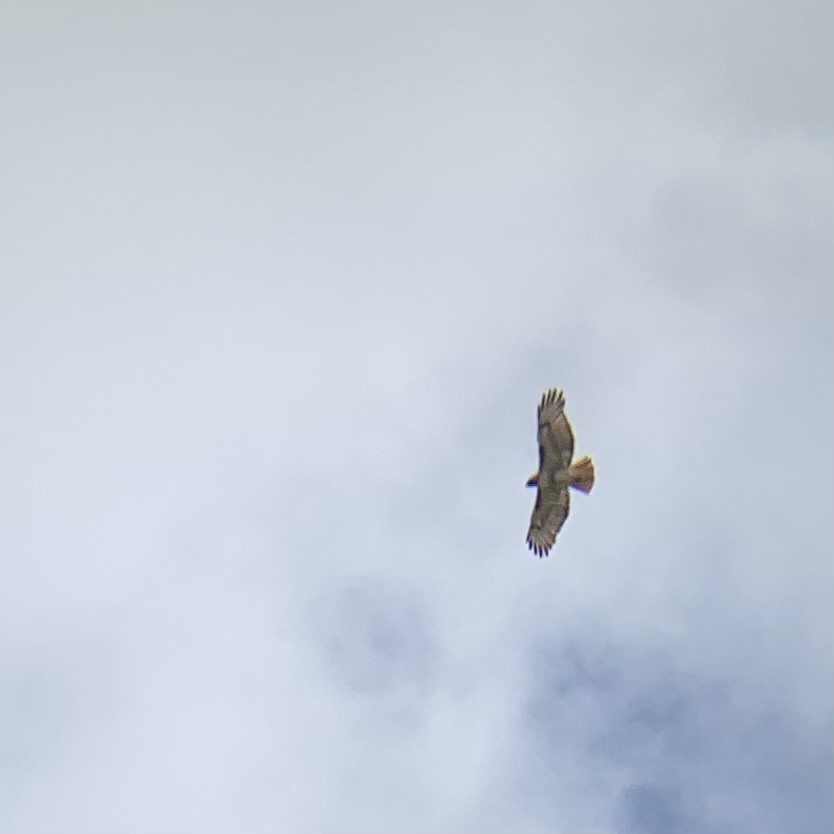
<point>554,432</point>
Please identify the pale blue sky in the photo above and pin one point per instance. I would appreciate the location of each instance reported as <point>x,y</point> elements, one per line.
<point>280,287</point>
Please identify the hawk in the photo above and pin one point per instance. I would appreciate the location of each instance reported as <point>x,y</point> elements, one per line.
<point>556,473</point>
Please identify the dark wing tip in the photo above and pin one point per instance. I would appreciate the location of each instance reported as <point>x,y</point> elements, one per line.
<point>539,550</point>
<point>550,396</point>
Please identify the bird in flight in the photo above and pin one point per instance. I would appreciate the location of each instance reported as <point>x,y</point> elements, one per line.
<point>556,473</point>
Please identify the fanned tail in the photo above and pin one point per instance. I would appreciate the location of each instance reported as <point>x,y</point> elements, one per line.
<point>582,474</point>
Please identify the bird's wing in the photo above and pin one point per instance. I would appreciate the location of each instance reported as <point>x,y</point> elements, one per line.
<point>555,433</point>
<point>549,514</point>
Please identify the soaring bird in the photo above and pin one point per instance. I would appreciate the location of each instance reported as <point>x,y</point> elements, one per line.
<point>556,473</point>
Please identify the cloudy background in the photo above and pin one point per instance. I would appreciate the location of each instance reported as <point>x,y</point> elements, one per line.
<point>280,286</point>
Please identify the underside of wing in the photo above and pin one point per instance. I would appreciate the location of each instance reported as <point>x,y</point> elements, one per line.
<point>549,514</point>
<point>555,433</point>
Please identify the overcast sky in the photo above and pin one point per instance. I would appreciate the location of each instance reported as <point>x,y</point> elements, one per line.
<point>280,286</point>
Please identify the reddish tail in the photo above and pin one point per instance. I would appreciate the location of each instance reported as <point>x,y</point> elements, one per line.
<point>582,474</point>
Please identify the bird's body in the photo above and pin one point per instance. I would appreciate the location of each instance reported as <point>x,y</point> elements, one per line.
<point>556,473</point>
<point>557,479</point>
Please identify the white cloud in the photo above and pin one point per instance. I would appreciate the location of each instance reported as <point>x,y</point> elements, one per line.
<point>282,288</point>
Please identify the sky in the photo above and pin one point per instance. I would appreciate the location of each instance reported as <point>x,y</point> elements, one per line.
<point>280,287</point>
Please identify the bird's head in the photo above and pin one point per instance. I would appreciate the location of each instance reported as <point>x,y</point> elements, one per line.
<point>533,480</point>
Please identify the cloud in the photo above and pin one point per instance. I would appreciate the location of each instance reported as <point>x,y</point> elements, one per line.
<point>282,288</point>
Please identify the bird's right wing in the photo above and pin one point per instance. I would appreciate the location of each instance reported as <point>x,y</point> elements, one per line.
<point>549,514</point>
